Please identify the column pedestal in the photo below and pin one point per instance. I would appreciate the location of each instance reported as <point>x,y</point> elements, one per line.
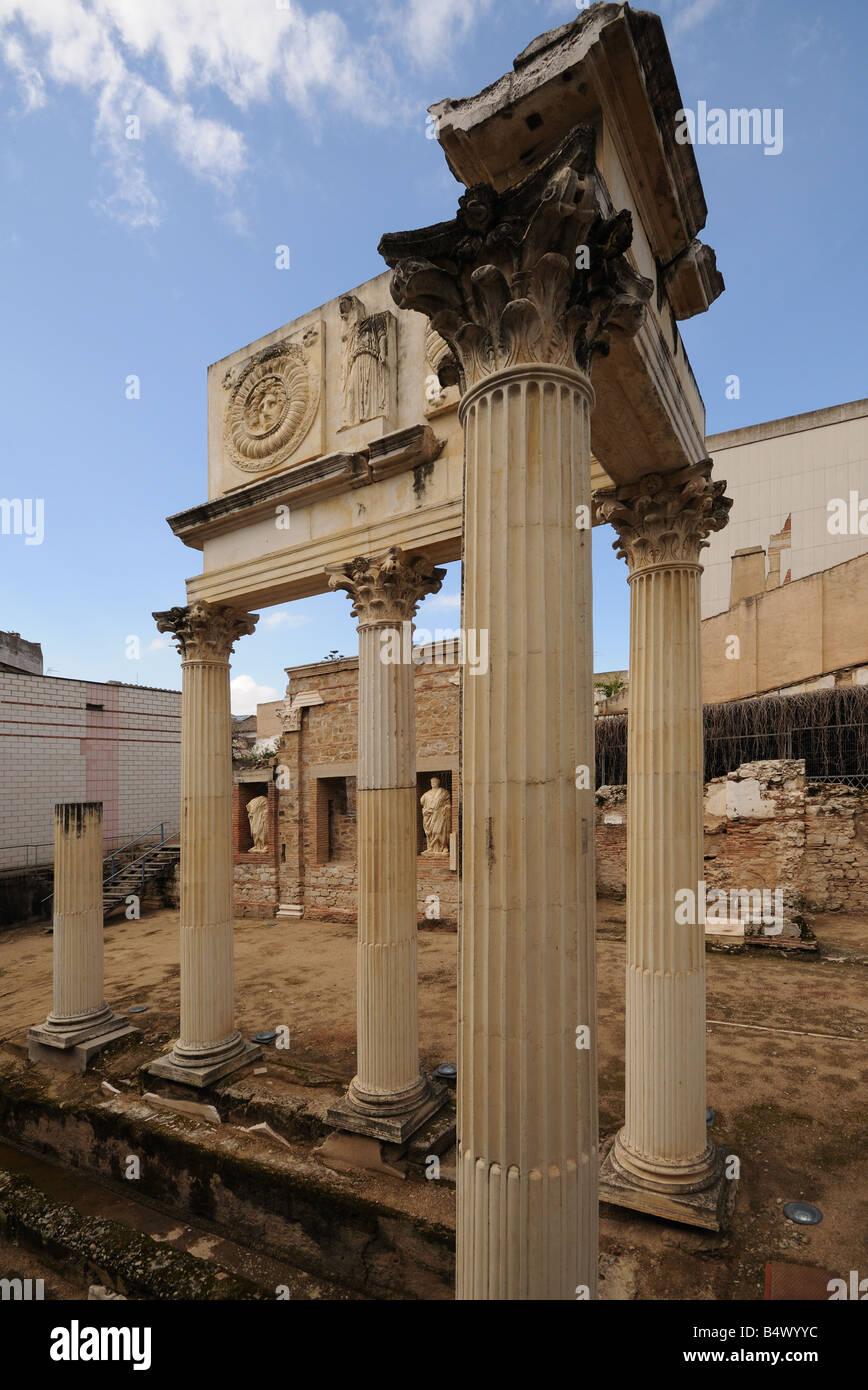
<point>80,1023</point>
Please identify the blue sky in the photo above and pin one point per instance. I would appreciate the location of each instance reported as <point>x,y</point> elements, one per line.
<point>267,122</point>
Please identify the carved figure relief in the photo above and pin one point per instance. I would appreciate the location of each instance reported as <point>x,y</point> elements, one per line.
<point>368,362</point>
<point>272,404</point>
<point>436,818</point>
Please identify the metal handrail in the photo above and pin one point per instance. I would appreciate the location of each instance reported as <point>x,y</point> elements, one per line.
<point>48,845</point>
<point>142,859</point>
<point>166,837</point>
<point>110,858</point>
<point>136,838</point>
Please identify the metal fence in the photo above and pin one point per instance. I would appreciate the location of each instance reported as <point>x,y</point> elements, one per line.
<point>828,728</point>
<point>41,856</point>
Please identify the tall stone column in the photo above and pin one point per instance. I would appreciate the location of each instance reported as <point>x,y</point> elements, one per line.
<point>80,1022</point>
<point>663,1161</point>
<point>209,1046</point>
<point>500,285</point>
<point>389,1097</point>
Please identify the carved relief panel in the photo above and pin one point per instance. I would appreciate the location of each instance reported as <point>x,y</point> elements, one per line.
<point>369,375</point>
<point>273,401</point>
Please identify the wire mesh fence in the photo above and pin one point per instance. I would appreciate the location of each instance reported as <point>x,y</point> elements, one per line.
<point>828,728</point>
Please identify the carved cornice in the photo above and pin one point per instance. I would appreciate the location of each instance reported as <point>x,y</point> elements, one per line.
<point>665,519</point>
<point>504,284</point>
<point>290,712</point>
<point>386,588</point>
<point>205,631</point>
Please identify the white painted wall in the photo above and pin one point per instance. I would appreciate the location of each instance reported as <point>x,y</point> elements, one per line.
<point>795,467</point>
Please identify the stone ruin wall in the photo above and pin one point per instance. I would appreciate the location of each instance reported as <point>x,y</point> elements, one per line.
<point>766,826</point>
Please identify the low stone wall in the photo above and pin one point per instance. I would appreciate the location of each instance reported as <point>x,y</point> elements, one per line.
<point>255,889</point>
<point>766,828</point>
<point>836,848</point>
<point>331,893</point>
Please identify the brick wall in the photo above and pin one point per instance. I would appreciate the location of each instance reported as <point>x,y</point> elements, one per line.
<point>319,763</point>
<point>256,872</point>
<point>611,842</point>
<point>123,751</point>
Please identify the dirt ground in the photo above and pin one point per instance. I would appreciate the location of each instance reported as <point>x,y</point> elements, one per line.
<point>786,1071</point>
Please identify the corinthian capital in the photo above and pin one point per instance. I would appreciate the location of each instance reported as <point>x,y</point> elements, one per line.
<point>533,274</point>
<point>386,588</point>
<point>205,631</point>
<point>664,520</point>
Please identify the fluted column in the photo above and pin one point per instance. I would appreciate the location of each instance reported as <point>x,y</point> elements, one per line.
<point>80,1014</point>
<point>500,285</point>
<point>389,1097</point>
<point>527,1095</point>
<point>664,1148</point>
<point>209,1046</point>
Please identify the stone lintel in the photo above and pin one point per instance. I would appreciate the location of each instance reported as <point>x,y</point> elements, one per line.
<point>308,482</point>
<point>710,1208</point>
<point>206,1075</point>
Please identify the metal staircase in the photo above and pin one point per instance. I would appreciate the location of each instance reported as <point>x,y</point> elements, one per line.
<point>142,860</point>
<point>127,875</point>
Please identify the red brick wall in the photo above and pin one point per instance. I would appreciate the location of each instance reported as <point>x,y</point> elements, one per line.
<point>321,756</point>
<point>255,874</point>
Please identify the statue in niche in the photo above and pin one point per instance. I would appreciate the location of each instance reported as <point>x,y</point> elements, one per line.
<point>257,814</point>
<point>365,341</point>
<point>436,818</point>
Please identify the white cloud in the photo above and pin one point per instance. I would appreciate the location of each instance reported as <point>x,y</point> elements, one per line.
<point>157,59</point>
<point>452,601</point>
<point>433,32</point>
<point>246,694</point>
<point>283,619</point>
<point>158,644</point>
<point>688,13</point>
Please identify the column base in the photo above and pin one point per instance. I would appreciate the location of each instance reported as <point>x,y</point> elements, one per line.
<point>707,1204</point>
<point>290,910</point>
<point>205,1070</point>
<point>394,1118</point>
<point>71,1046</point>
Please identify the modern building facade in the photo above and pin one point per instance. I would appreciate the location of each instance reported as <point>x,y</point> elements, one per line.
<point>75,740</point>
